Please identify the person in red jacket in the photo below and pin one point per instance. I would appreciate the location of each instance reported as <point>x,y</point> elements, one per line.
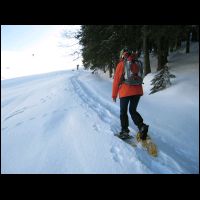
<point>128,94</point>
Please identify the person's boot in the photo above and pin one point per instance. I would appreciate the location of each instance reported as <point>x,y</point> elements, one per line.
<point>124,134</point>
<point>143,130</point>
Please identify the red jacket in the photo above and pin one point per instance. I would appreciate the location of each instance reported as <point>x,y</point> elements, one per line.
<point>124,90</point>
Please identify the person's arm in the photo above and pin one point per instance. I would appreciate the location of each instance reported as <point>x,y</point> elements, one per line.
<point>116,81</point>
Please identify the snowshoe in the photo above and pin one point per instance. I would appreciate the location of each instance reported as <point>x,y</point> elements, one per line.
<point>147,144</point>
<point>124,134</point>
<point>129,139</point>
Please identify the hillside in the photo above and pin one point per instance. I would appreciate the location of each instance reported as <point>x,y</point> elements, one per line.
<point>65,121</point>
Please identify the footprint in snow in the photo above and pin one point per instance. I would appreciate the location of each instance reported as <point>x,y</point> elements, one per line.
<point>32,118</point>
<point>96,127</point>
<point>115,151</point>
<point>55,111</point>
<point>86,114</point>
<point>44,115</point>
<point>18,124</point>
<point>43,100</point>
<point>4,128</point>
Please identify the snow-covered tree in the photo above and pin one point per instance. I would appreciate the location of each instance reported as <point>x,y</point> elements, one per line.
<point>161,80</point>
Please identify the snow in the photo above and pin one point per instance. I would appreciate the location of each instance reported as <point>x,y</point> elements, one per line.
<point>64,122</point>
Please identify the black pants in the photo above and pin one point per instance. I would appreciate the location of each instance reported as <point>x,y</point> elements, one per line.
<point>136,117</point>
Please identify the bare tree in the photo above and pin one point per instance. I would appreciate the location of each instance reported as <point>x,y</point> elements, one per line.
<point>68,34</point>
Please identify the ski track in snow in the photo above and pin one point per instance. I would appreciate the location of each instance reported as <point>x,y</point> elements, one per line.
<point>108,115</point>
<point>103,110</point>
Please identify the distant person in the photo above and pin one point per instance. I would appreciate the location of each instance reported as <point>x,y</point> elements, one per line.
<point>128,94</point>
<point>77,67</point>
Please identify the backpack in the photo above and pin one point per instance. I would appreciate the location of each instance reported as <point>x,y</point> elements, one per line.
<point>133,74</point>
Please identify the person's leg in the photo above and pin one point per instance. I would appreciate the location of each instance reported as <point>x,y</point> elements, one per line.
<point>136,117</point>
<point>123,113</point>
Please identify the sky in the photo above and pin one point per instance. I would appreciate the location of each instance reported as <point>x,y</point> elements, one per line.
<point>35,49</point>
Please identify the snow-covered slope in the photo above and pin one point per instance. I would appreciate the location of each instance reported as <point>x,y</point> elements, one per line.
<point>64,122</point>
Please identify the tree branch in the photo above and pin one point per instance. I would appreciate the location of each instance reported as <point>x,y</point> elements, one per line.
<point>75,53</point>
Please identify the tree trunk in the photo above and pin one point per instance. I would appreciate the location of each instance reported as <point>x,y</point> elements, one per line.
<point>188,43</point>
<point>104,69</point>
<point>159,53</point>
<point>194,34</point>
<point>147,68</point>
<point>171,49</point>
<point>178,43</point>
<point>166,50</point>
<point>110,70</point>
<point>162,55</point>
<point>155,50</point>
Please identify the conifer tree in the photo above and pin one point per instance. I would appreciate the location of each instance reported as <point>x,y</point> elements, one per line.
<point>161,80</point>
